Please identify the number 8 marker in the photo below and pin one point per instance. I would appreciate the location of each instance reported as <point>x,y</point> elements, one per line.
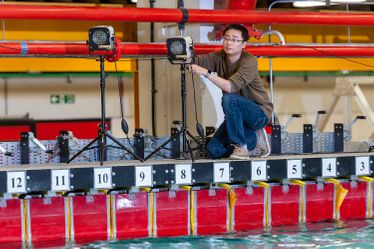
<point>183,174</point>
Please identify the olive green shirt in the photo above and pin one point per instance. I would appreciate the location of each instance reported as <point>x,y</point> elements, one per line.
<point>243,76</point>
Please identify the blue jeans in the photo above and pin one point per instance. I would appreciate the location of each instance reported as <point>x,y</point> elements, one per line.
<point>243,117</point>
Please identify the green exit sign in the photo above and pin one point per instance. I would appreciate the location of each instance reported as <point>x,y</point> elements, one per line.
<point>55,99</point>
<point>62,99</point>
<point>69,98</point>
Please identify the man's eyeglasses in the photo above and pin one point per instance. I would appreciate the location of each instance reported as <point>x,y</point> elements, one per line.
<point>227,39</point>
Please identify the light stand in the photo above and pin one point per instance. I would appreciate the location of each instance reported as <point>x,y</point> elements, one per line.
<point>186,147</point>
<point>103,133</point>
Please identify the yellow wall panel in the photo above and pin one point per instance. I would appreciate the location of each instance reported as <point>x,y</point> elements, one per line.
<point>37,65</point>
<point>53,30</point>
<point>317,64</point>
<point>319,34</point>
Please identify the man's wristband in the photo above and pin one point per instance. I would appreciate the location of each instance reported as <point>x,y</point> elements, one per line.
<point>208,73</point>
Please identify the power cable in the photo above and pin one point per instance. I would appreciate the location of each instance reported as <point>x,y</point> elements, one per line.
<point>199,127</point>
<point>337,56</point>
<point>124,125</point>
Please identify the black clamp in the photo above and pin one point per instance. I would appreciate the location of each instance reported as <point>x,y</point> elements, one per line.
<point>139,143</point>
<point>175,143</point>
<point>371,148</point>
<point>184,13</point>
<point>24,148</point>
<point>308,138</point>
<point>63,144</point>
<point>185,18</point>
<point>338,137</point>
<point>276,143</point>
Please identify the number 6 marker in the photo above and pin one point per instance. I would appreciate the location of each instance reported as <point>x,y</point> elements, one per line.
<point>259,170</point>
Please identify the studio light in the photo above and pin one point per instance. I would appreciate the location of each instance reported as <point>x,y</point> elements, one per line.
<point>307,3</point>
<point>101,38</point>
<point>101,41</point>
<point>180,50</point>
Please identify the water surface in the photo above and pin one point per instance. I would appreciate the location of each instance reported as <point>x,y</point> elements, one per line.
<point>352,234</point>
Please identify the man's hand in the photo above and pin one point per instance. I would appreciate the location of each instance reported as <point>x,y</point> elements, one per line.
<point>196,69</point>
<point>225,85</point>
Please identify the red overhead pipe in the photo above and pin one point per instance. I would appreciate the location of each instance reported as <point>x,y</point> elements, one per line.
<point>276,51</point>
<point>217,33</point>
<point>176,15</point>
<point>241,5</point>
<point>43,48</point>
<point>36,49</point>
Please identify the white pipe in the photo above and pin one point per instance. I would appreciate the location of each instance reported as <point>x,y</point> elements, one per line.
<point>37,142</point>
<point>277,33</point>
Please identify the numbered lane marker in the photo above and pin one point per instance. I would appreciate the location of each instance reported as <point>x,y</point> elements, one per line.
<point>294,169</point>
<point>102,178</point>
<point>16,182</point>
<point>143,176</point>
<point>328,167</point>
<point>362,166</point>
<point>183,174</point>
<point>221,172</point>
<point>259,170</point>
<point>60,180</point>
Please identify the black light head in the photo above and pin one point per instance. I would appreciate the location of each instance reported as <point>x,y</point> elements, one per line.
<point>101,38</point>
<point>180,50</point>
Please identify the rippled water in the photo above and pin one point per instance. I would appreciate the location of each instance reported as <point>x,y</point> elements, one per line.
<point>353,234</point>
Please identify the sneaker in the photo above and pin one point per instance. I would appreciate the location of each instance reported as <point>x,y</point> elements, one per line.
<point>239,154</point>
<point>262,148</point>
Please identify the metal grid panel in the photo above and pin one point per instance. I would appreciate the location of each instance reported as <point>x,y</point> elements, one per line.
<point>292,143</point>
<point>38,156</point>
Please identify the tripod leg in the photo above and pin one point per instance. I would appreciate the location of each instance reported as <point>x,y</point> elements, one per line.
<point>200,146</point>
<point>102,149</point>
<point>102,152</point>
<point>165,143</point>
<point>87,147</point>
<point>123,147</point>
<point>190,149</point>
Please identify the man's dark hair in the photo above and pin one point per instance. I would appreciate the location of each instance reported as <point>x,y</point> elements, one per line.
<point>240,28</point>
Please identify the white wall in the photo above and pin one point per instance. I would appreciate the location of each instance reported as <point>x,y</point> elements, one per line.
<point>296,95</point>
<point>32,96</point>
<point>292,95</point>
